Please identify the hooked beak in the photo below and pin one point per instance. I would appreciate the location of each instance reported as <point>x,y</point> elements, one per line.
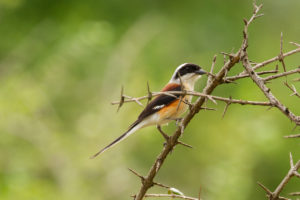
<point>200,72</point>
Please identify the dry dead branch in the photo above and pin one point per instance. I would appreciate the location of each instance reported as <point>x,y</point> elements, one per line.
<point>291,173</point>
<point>215,80</point>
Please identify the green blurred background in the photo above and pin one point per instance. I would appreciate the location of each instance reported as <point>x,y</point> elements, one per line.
<point>63,62</point>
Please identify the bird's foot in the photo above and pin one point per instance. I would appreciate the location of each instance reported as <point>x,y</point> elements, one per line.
<point>179,121</point>
<point>167,138</point>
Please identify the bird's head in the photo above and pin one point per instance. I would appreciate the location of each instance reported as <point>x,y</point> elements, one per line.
<point>188,74</point>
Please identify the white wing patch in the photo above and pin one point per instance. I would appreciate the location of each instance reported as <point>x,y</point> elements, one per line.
<point>158,107</point>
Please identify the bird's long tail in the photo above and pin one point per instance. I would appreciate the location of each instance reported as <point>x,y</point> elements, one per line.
<point>133,128</point>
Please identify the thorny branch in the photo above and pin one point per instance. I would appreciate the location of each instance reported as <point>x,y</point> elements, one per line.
<point>293,88</point>
<point>281,74</point>
<point>171,196</point>
<point>143,178</point>
<point>193,93</point>
<point>260,82</point>
<point>234,78</point>
<point>214,80</point>
<point>291,173</point>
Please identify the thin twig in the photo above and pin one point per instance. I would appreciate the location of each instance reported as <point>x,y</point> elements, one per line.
<point>230,55</point>
<point>292,172</point>
<point>169,196</point>
<point>226,107</point>
<point>193,93</point>
<point>236,77</point>
<point>206,108</point>
<point>199,194</point>
<point>121,99</point>
<point>183,90</point>
<point>211,75</point>
<point>281,53</point>
<point>265,188</point>
<point>292,136</point>
<point>274,59</point>
<point>293,88</point>
<point>143,178</point>
<point>296,79</point>
<point>294,193</point>
<point>185,144</point>
<point>264,63</point>
<point>296,44</point>
<point>149,93</point>
<point>282,74</point>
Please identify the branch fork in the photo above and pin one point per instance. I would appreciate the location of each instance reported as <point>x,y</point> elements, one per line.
<point>291,173</point>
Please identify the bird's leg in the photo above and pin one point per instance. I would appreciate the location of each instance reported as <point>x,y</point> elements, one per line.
<point>178,120</point>
<point>167,138</point>
<point>163,133</point>
<point>178,123</point>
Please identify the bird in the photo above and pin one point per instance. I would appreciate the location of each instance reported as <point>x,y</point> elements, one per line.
<point>165,108</point>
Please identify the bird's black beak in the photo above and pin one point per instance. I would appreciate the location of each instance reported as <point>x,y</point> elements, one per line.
<point>200,72</point>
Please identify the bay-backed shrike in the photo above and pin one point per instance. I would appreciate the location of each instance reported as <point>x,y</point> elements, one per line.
<point>165,108</point>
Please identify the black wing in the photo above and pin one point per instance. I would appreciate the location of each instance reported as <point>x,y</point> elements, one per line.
<point>158,103</point>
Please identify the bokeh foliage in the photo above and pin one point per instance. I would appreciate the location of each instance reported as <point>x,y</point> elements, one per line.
<point>62,62</point>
